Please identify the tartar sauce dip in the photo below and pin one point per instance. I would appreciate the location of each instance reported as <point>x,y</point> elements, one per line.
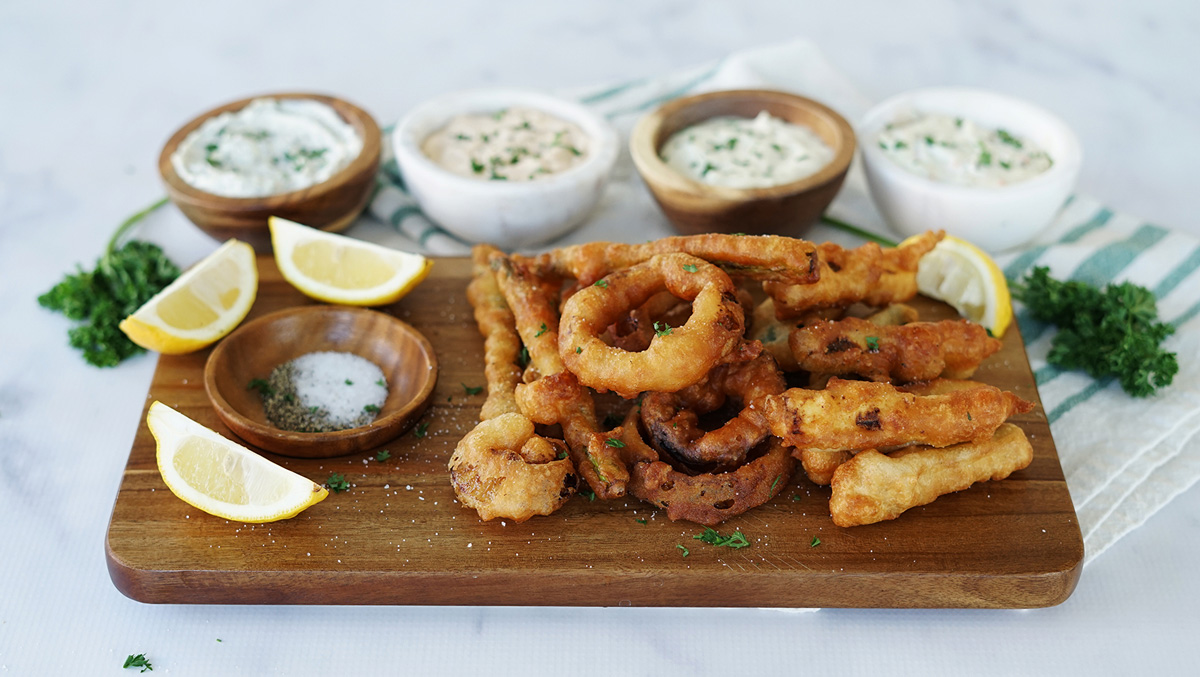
<point>271,146</point>
<point>514,144</point>
<point>958,151</point>
<point>746,153</point>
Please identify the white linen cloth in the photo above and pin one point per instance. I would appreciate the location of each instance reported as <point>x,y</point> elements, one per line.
<point>1124,458</point>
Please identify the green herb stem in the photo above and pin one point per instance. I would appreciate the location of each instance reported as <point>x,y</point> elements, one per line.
<point>855,230</point>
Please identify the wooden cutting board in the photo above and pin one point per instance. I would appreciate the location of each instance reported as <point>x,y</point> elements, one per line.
<point>398,536</point>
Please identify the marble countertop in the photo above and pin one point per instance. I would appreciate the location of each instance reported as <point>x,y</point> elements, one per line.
<point>89,93</point>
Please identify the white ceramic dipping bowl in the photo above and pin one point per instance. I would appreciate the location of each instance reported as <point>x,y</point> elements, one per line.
<point>995,219</point>
<point>508,215</point>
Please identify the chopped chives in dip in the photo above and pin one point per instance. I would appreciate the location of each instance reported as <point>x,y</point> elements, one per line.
<point>513,144</point>
<point>958,151</point>
<point>271,146</point>
<point>322,392</point>
<point>746,152</point>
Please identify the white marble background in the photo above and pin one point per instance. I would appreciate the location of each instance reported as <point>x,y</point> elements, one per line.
<point>88,93</point>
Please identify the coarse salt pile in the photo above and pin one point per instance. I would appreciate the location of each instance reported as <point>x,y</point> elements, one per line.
<point>327,390</point>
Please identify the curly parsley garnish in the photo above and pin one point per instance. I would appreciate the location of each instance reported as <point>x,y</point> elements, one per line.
<point>735,540</point>
<point>472,390</point>
<point>138,661</point>
<point>337,483</point>
<point>1110,332</point>
<point>382,455</point>
<point>662,329</point>
<point>122,281</point>
<point>691,267</point>
<point>420,431</point>
<point>873,344</point>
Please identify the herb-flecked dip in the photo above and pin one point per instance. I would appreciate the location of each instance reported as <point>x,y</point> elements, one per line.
<point>746,152</point>
<point>271,146</point>
<point>958,151</point>
<point>513,144</point>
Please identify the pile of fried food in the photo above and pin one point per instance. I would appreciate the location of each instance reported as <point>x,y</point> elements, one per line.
<point>701,337</point>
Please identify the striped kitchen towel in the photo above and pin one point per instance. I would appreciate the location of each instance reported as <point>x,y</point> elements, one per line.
<point>1124,458</point>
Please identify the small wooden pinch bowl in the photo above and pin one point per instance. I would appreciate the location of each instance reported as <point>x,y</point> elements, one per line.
<point>694,207</point>
<point>405,356</point>
<point>330,205</point>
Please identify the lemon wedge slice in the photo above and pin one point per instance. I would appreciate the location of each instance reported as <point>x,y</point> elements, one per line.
<point>962,275</point>
<point>200,306</point>
<point>339,269</point>
<point>223,478</point>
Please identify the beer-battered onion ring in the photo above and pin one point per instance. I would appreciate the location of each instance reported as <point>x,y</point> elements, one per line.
<point>552,395</point>
<point>707,498</point>
<point>672,419</point>
<point>677,357</point>
<point>502,469</point>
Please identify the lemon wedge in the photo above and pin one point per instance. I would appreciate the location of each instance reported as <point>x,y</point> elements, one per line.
<point>223,478</point>
<point>962,275</point>
<point>339,269</point>
<point>200,306</point>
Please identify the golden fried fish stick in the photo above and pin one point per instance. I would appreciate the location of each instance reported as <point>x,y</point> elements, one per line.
<point>918,351</point>
<point>872,487</point>
<point>501,345</point>
<point>819,465</point>
<point>851,415</point>
<point>868,274</point>
<point>759,257</point>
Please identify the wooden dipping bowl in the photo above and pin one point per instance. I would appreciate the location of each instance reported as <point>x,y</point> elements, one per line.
<point>695,207</point>
<point>403,354</point>
<point>330,205</point>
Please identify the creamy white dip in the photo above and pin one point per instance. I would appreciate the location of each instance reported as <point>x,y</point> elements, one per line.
<point>514,144</point>
<point>269,147</point>
<point>746,153</point>
<point>958,151</point>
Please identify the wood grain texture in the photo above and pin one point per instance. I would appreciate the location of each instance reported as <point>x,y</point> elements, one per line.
<point>399,537</point>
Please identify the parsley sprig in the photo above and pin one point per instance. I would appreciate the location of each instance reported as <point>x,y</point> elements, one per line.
<point>735,540</point>
<point>138,661</point>
<point>1112,331</point>
<point>123,280</point>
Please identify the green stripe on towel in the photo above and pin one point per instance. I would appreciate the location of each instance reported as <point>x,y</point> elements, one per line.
<point>1026,259</point>
<point>673,94</point>
<point>1099,269</point>
<point>402,213</point>
<point>610,92</point>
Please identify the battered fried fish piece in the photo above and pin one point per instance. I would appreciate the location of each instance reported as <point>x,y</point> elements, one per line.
<point>872,487</point>
<point>502,469</point>
<point>868,274</point>
<point>853,415</point>
<point>918,351</point>
<point>561,399</point>
<point>501,344</point>
<point>773,333</point>
<point>819,465</point>
<point>759,257</point>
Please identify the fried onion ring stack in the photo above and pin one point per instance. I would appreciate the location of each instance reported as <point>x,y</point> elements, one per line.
<point>709,427</point>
